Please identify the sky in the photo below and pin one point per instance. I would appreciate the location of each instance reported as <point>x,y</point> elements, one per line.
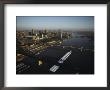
<point>84,23</point>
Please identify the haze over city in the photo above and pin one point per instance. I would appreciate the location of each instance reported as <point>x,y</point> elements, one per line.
<point>81,23</point>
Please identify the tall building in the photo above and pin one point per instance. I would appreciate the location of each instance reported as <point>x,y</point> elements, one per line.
<point>45,31</point>
<point>42,36</point>
<point>30,33</point>
<point>61,35</point>
<point>33,32</point>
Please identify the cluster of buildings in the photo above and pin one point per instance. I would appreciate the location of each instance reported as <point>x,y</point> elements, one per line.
<point>34,41</point>
<point>41,36</point>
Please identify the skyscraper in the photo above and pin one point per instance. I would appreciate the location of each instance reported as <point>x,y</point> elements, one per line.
<point>33,32</point>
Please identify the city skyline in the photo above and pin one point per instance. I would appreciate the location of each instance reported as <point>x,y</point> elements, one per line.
<point>81,23</point>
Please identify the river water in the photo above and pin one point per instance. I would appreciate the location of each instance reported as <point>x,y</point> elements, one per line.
<point>77,62</point>
<point>79,40</point>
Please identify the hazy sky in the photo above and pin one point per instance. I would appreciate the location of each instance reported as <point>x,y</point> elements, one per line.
<point>55,22</point>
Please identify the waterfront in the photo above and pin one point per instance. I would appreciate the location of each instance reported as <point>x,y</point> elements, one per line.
<point>55,45</point>
<point>81,61</point>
